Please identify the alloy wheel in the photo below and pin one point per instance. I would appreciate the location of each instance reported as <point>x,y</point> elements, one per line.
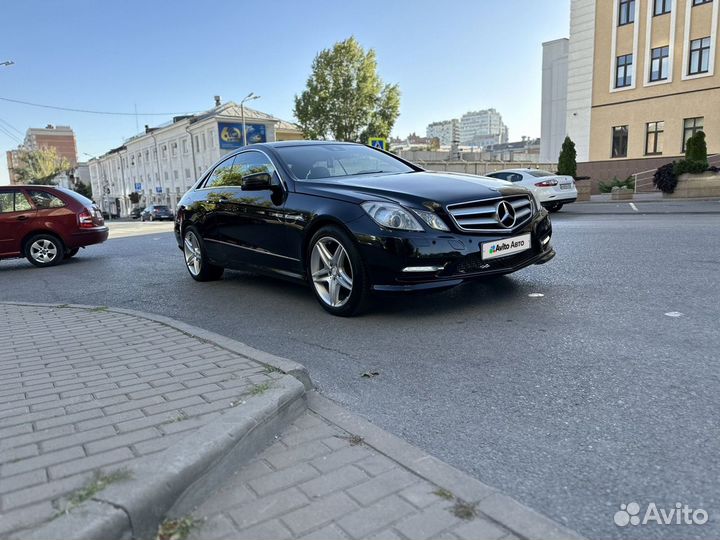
<point>193,257</point>
<point>43,251</point>
<point>331,272</point>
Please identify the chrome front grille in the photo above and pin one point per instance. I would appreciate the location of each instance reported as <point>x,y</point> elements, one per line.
<point>492,215</point>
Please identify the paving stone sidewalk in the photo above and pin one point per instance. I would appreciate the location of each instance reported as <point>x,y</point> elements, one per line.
<point>84,392</point>
<point>319,482</point>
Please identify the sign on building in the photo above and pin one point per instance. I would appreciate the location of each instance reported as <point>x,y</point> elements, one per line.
<point>378,142</point>
<point>138,187</point>
<point>231,134</point>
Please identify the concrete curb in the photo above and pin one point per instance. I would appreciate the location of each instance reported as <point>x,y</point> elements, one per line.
<point>523,521</point>
<point>284,365</point>
<point>181,476</point>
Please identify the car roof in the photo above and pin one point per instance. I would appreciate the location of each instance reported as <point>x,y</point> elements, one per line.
<point>283,144</point>
<point>519,170</point>
<point>32,186</point>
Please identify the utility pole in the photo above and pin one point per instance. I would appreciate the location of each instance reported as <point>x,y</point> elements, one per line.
<point>249,97</point>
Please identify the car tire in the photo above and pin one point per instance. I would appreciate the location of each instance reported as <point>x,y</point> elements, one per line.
<point>71,253</point>
<point>337,273</point>
<point>554,207</point>
<point>44,250</point>
<point>196,260</point>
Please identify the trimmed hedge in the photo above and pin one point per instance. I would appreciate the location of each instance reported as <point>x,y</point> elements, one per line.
<point>665,179</point>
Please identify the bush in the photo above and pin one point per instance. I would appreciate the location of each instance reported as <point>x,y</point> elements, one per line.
<point>689,166</point>
<point>628,183</point>
<point>567,162</point>
<point>696,149</point>
<point>665,179</point>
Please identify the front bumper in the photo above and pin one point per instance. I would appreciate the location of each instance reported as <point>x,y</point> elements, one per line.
<point>451,258</point>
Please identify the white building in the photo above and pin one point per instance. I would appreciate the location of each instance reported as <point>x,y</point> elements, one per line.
<point>479,125</point>
<point>554,98</point>
<point>163,162</point>
<point>446,131</point>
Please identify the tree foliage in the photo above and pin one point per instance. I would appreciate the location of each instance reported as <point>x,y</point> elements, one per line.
<point>567,162</point>
<point>41,166</point>
<point>345,99</point>
<point>696,148</point>
<point>83,189</point>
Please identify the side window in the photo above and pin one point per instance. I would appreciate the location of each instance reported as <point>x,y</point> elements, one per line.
<point>44,200</point>
<point>498,175</point>
<point>225,174</point>
<point>253,163</point>
<point>21,202</point>
<point>6,202</point>
<point>514,177</point>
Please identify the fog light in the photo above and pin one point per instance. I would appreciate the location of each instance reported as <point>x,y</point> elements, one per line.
<point>423,268</point>
<point>545,241</point>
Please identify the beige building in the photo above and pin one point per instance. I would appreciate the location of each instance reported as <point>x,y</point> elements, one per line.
<point>644,75</point>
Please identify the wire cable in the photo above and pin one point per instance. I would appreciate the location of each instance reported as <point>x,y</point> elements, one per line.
<point>87,111</point>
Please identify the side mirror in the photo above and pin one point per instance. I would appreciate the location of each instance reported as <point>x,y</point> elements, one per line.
<point>257,182</point>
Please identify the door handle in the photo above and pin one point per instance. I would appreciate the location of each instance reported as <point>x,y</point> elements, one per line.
<point>22,218</point>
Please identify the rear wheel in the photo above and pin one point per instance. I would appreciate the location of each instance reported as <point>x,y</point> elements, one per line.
<point>337,272</point>
<point>71,252</point>
<point>196,259</point>
<point>554,207</point>
<point>44,250</point>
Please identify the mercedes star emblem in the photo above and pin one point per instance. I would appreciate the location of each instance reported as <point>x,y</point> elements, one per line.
<point>506,214</point>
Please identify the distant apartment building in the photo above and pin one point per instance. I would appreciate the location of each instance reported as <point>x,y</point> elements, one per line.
<point>61,138</point>
<point>482,126</point>
<point>447,131</point>
<point>554,98</point>
<point>163,162</point>
<point>643,76</point>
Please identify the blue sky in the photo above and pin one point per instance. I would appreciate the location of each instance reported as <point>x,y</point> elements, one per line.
<point>160,56</point>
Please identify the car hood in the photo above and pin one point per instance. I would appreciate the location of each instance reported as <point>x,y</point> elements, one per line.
<point>411,189</point>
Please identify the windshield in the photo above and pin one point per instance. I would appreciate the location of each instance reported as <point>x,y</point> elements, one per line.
<point>314,162</point>
<point>540,174</point>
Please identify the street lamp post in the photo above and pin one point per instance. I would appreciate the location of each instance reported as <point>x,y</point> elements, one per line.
<point>249,97</point>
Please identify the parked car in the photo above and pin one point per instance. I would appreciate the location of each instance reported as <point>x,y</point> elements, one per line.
<point>47,224</point>
<point>156,212</point>
<point>350,219</point>
<point>136,212</point>
<point>552,190</point>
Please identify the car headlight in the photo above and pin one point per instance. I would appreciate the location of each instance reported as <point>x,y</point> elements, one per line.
<point>432,219</point>
<point>392,216</point>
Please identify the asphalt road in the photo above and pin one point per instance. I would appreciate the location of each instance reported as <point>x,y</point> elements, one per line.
<point>574,402</point>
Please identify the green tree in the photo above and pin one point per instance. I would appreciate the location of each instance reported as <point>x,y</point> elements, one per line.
<point>345,99</point>
<point>567,162</point>
<point>41,166</point>
<point>83,189</point>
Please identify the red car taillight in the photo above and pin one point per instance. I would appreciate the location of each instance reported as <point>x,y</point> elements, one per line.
<point>85,220</point>
<point>547,183</point>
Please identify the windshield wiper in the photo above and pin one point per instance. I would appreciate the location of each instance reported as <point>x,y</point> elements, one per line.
<point>371,172</point>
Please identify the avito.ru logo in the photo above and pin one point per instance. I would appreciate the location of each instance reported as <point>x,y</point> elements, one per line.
<point>629,514</point>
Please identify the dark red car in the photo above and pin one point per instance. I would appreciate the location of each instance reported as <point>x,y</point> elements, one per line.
<point>47,224</point>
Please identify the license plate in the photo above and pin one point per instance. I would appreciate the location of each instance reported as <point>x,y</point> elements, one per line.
<point>565,186</point>
<point>505,247</point>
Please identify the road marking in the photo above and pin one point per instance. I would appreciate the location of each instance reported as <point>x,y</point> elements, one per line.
<point>536,295</point>
<point>632,205</point>
<point>674,314</point>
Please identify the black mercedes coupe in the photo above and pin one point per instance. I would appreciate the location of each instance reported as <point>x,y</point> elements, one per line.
<point>349,219</point>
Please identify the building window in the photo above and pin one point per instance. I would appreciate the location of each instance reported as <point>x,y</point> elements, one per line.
<point>202,135</point>
<point>187,173</point>
<point>619,141</point>
<point>173,149</point>
<point>184,146</point>
<point>624,71</point>
<point>662,7</point>
<point>164,151</point>
<point>701,2</point>
<point>690,128</point>
<point>654,138</point>
<point>197,142</point>
<point>627,12</point>
<point>659,64</point>
<point>175,174</point>
<point>699,56</point>
<point>154,154</point>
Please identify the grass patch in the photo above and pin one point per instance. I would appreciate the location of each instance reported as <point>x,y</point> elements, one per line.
<point>259,389</point>
<point>444,494</point>
<point>272,369</point>
<point>92,488</point>
<point>176,529</point>
<point>464,510</point>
